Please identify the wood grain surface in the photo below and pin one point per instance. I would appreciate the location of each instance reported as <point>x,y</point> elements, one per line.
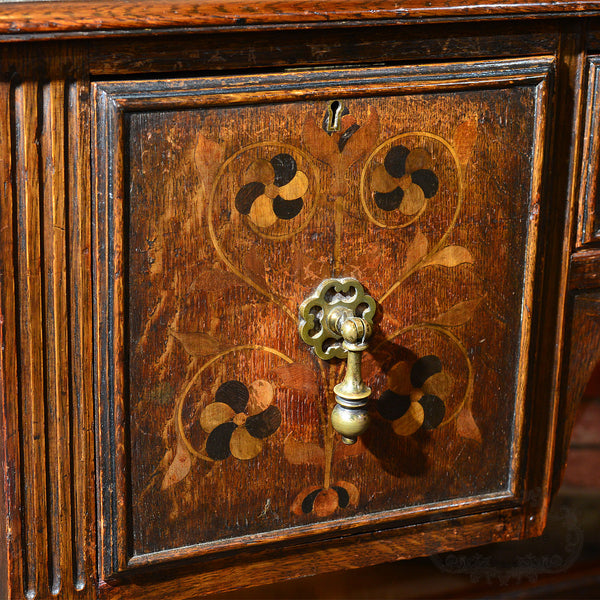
<point>48,443</point>
<point>321,46</point>
<point>588,205</point>
<point>148,291</point>
<point>72,17</point>
<point>583,357</point>
<point>244,569</point>
<point>197,354</point>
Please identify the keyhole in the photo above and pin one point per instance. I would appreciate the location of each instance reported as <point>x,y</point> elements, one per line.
<point>334,119</point>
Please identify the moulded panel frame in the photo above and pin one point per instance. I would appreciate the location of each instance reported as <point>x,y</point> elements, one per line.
<point>588,227</point>
<point>111,101</point>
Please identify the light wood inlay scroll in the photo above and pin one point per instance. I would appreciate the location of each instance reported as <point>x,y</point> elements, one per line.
<point>47,459</point>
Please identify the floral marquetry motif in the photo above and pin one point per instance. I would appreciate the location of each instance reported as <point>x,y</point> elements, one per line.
<point>324,501</point>
<point>415,394</point>
<point>238,420</point>
<point>172,199</point>
<point>276,203</point>
<point>404,180</point>
<point>274,191</point>
<point>228,406</point>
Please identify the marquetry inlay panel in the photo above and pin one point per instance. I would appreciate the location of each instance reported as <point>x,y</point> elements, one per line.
<point>218,214</point>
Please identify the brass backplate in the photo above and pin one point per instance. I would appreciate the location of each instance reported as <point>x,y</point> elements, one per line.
<point>331,295</point>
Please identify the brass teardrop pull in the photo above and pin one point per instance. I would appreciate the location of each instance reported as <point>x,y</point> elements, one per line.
<point>337,321</point>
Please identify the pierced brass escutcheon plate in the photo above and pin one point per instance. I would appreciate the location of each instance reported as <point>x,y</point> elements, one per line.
<point>337,321</point>
<point>321,312</point>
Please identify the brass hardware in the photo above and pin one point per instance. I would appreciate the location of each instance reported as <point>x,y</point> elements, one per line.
<point>333,121</point>
<point>337,321</point>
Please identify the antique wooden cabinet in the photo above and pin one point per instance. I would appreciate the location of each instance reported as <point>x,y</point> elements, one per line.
<point>178,181</point>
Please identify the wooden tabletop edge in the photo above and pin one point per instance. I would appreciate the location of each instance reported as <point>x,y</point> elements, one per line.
<point>92,15</point>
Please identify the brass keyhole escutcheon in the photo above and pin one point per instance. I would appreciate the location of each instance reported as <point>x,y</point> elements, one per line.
<point>337,321</point>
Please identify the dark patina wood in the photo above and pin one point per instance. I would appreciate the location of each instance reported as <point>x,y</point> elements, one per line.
<point>72,18</point>
<point>262,264</point>
<point>47,320</point>
<point>139,279</point>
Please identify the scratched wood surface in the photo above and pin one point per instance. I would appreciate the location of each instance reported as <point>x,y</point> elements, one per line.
<point>181,296</point>
<point>48,495</point>
<point>90,17</point>
<point>231,217</point>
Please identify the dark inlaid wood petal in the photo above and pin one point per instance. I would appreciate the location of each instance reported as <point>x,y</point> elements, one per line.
<point>346,135</point>
<point>285,169</point>
<point>391,406</point>
<point>265,423</point>
<point>247,195</point>
<point>343,496</point>
<point>234,393</point>
<point>427,180</point>
<point>434,409</point>
<point>395,161</point>
<point>217,444</point>
<point>287,209</point>
<point>423,369</point>
<point>309,501</point>
<point>390,200</point>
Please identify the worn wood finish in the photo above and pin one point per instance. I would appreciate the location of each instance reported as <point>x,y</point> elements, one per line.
<point>587,230</point>
<point>155,364</point>
<point>47,408</point>
<point>585,274</point>
<point>583,356</point>
<point>417,43</point>
<point>80,316</point>
<point>557,222</point>
<point>11,492</point>
<point>84,269</point>
<point>5,566</point>
<point>91,16</point>
<point>246,569</point>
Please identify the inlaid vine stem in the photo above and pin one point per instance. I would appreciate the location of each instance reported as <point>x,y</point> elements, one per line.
<point>444,237</point>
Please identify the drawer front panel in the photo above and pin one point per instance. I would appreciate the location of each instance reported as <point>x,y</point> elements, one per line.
<point>222,204</point>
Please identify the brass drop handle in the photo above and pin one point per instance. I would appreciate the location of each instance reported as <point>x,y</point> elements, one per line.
<point>350,417</point>
<point>337,321</point>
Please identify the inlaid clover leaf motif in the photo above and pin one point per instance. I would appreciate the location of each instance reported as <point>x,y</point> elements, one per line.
<point>405,180</point>
<point>273,190</point>
<point>415,395</point>
<point>323,501</point>
<point>239,420</point>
